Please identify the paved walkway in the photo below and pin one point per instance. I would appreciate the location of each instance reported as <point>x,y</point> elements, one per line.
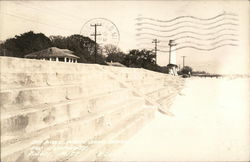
<point>211,123</point>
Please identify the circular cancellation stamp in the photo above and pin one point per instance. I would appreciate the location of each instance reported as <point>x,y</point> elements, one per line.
<point>106,31</point>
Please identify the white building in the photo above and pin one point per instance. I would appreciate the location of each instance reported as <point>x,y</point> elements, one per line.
<point>172,66</point>
<point>54,54</point>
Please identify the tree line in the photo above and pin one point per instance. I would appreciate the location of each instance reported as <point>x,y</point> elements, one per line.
<point>29,42</point>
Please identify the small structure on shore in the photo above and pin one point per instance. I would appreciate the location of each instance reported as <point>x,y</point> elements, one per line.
<point>54,54</point>
<point>172,66</point>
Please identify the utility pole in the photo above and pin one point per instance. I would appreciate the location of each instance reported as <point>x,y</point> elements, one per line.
<point>183,58</point>
<point>95,34</point>
<point>155,41</point>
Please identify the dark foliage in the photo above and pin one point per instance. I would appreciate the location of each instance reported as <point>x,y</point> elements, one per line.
<point>143,59</point>
<point>25,43</point>
<point>139,58</point>
<point>82,46</point>
<point>30,42</point>
<point>199,72</point>
<point>114,54</point>
<point>186,70</point>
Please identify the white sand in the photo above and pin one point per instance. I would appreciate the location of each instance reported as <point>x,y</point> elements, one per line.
<point>211,123</point>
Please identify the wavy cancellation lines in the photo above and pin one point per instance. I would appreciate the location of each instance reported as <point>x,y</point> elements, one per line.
<point>163,25</point>
<point>222,25</point>
<point>193,18</point>
<point>197,48</point>
<point>188,37</point>
<point>204,34</point>
<point>209,44</point>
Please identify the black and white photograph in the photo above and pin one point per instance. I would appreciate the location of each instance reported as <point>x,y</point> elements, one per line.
<point>125,80</point>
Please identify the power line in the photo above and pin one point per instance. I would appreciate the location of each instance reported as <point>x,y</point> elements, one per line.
<point>49,13</point>
<point>27,19</point>
<point>95,34</point>
<point>51,10</point>
<point>76,17</point>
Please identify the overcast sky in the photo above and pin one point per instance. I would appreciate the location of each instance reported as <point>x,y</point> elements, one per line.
<point>67,18</point>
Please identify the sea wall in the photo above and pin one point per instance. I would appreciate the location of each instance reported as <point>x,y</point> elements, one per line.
<point>56,111</point>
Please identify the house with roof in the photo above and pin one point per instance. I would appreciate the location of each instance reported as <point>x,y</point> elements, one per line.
<point>54,54</point>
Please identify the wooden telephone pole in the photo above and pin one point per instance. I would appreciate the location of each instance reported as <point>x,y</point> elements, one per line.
<point>183,61</point>
<point>155,41</point>
<point>95,34</point>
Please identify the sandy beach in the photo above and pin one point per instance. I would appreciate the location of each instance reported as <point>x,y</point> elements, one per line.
<point>210,123</point>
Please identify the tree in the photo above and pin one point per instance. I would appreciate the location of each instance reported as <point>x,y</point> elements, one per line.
<point>116,57</point>
<point>199,72</point>
<point>111,49</point>
<point>81,46</point>
<point>25,43</point>
<point>186,70</point>
<point>59,41</point>
<point>2,50</point>
<point>143,59</point>
<point>113,53</point>
<point>139,58</point>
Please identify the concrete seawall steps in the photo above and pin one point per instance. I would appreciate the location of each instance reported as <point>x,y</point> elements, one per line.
<point>11,139</point>
<point>17,65</point>
<point>22,98</point>
<point>31,120</point>
<point>132,73</point>
<point>162,91</point>
<point>29,80</point>
<point>118,134</point>
<point>91,125</point>
<point>166,102</point>
<point>44,102</point>
<point>157,81</point>
<point>122,82</point>
<point>160,88</point>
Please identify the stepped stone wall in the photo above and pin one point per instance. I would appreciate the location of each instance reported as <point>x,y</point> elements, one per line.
<point>159,87</point>
<point>55,111</point>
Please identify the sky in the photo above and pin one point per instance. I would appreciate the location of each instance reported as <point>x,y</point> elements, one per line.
<point>68,17</point>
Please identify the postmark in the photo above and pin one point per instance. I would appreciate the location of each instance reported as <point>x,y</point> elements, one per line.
<point>107,32</point>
